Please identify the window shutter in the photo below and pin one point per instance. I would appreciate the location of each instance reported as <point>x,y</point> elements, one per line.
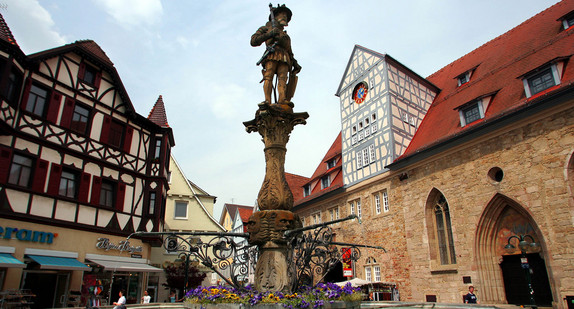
<point>128,139</point>
<point>67,112</point>
<point>26,94</point>
<point>40,175</point>
<point>96,188</point>
<point>54,106</point>
<point>104,134</point>
<point>120,197</point>
<point>5,157</point>
<point>98,79</point>
<point>84,188</point>
<point>82,71</point>
<point>55,175</point>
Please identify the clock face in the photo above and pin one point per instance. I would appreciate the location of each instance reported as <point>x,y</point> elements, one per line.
<point>360,93</point>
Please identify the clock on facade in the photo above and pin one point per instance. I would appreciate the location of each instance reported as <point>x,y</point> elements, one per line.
<point>360,92</point>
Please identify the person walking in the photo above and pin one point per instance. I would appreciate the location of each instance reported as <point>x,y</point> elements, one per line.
<point>470,298</point>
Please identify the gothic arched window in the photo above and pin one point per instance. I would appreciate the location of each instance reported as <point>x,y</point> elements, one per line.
<point>444,232</point>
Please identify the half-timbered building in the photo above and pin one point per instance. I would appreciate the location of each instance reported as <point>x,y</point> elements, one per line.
<point>80,170</point>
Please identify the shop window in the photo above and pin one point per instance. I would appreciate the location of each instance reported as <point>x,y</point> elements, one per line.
<point>21,171</point>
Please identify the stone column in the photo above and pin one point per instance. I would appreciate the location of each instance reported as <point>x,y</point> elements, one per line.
<point>274,122</point>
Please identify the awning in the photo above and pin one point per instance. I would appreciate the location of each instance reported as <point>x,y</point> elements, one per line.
<point>61,263</point>
<point>7,260</point>
<point>125,266</point>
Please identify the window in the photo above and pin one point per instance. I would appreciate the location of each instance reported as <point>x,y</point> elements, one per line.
<point>107,193</point>
<point>12,87</point>
<point>181,210</point>
<point>316,218</point>
<point>368,275</point>
<point>90,75</point>
<point>377,270</point>
<point>306,190</point>
<point>331,163</point>
<point>80,118</point>
<point>151,208</point>
<point>471,112</point>
<point>37,100</point>
<point>377,203</point>
<point>444,231</point>
<point>325,182</point>
<point>463,79</point>
<point>69,184</point>
<point>359,155</point>
<point>366,156</point>
<point>20,171</point>
<point>169,177</point>
<point>157,151</point>
<point>372,153</point>
<point>334,213</point>
<point>568,20</point>
<point>541,81</point>
<point>385,201</point>
<point>116,134</point>
<point>359,212</point>
<point>352,206</point>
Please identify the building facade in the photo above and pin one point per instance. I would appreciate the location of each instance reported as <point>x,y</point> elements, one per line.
<point>80,171</point>
<point>188,209</point>
<point>490,164</point>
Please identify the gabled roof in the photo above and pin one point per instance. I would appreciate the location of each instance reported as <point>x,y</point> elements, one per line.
<point>382,57</point>
<point>5,33</point>
<point>335,173</point>
<point>245,213</point>
<point>157,114</point>
<point>232,210</point>
<point>498,68</point>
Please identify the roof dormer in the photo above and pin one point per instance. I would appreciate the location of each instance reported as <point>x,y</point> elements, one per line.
<point>567,20</point>
<point>464,77</point>
<point>544,77</point>
<point>474,110</point>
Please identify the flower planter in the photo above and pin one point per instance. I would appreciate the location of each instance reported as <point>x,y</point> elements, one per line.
<point>327,305</point>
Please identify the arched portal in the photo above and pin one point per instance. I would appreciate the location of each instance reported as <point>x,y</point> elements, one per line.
<point>502,276</point>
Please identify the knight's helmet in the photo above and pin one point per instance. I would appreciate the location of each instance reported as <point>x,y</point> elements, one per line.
<point>279,9</point>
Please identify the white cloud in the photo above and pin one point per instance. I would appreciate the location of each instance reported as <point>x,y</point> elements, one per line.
<point>129,13</point>
<point>32,26</point>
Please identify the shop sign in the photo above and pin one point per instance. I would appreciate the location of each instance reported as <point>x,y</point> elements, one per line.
<point>124,245</point>
<point>27,235</point>
<point>347,262</point>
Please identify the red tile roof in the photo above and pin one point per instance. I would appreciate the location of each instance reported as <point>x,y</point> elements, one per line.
<point>499,66</point>
<point>232,210</point>
<point>5,33</point>
<point>157,114</point>
<point>335,173</point>
<point>296,184</point>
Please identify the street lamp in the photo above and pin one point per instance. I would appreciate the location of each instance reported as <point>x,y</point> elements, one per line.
<point>525,246</point>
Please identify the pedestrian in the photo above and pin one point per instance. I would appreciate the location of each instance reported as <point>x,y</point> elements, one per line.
<point>121,303</point>
<point>470,298</point>
<point>146,298</point>
<point>172,297</point>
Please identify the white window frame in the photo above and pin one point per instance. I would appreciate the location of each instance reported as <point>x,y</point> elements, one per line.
<point>385,196</point>
<point>461,112</point>
<point>328,182</point>
<point>377,198</point>
<point>359,210</point>
<point>372,154</point>
<point>366,157</point>
<point>352,206</point>
<point>359,155</point>
<point>377,271</point>
<point>316,218</point>
<point>368,274</point>
<point>526,79</point>
<point>175,209</point>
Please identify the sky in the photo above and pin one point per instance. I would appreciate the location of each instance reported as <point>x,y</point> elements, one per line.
<point>196,54</point>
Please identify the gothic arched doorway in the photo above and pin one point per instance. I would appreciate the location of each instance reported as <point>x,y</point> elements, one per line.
<point>501,271</point>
